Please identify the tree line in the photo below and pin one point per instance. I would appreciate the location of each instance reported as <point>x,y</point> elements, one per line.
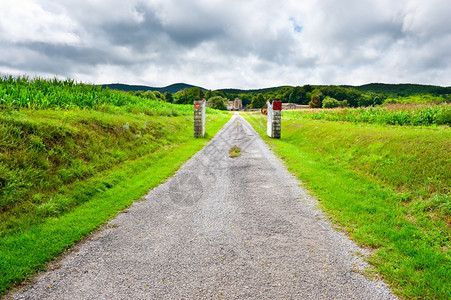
<point>315,96</point>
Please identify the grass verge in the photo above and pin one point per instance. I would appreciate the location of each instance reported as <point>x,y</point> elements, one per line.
<point>386,186</point>
<point>38,229</point>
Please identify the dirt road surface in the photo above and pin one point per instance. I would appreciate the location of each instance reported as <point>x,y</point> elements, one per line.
<point>231,228</point>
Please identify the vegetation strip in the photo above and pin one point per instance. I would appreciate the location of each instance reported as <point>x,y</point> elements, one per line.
<point>22,253</point>
<point>72,156</point>
<point>411,115</point>
<point>381,185</point>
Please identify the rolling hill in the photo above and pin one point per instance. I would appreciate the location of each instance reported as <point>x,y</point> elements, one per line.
<point>173,88</point>
<point>406,89</point>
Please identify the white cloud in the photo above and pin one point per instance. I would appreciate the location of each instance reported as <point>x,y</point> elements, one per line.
<point>26,21</point>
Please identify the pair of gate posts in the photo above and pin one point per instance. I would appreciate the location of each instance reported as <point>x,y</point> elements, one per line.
<point>274,121</point>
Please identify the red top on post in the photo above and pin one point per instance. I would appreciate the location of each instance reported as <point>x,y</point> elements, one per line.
<point>277,105</point>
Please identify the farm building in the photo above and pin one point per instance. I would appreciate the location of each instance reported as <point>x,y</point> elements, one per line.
<point>236,104</point>
<point>286,106</point>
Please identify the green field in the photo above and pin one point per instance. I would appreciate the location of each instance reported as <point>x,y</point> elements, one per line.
<point>59,94</point>
<point>387,187</point>
<point>69,164</point>
<point>395,114</point>
<point>419,99</point>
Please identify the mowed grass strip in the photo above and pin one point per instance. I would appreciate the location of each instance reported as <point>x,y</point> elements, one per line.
<point>386,186</point>
<point>119,158</point>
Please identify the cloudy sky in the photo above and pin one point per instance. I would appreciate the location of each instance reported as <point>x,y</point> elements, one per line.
<point>228,43</point>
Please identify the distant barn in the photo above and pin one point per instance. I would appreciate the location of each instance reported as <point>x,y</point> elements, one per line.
<point>286,106</point>
<point>236,104</point>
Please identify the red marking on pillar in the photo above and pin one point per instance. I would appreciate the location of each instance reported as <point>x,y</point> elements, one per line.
<point>276,105</point>
<point>197,105</point>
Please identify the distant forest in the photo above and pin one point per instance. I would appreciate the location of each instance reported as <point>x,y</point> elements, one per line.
<point>315,96</point>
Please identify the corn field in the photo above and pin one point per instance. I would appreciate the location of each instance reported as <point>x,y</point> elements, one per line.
<point>38,93</point>
<point>414,115</point>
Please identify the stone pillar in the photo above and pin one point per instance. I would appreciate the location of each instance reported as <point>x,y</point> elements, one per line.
<point>274,122</point>
<point>199,118</point>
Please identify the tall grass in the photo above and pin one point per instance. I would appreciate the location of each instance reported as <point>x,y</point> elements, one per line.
<point>417,115</point>
<point>419,99</point>
<point>38,93</point>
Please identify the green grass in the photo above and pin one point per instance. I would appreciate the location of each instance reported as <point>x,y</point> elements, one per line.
<point>44,150</point>
<point>387,187</point>
<point>40,228</point>
<point>72,156</point>
<point>419,98</point>
<point>411,115</point>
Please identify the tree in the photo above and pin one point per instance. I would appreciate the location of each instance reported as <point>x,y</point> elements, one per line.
<point>298,95</point>
<point>149,95</point>
<point>308,88</point>
<point>330,102</point>
<point>283,93</point>
<point>168,97</point>
<point>344,103</point>
<point>208,94</point>
<point>159,95</point>
<point>201,94</point>
<point>186,96</point>
<point>217,102</point>
<point>258,101</point>
<point>315,102</point>
<point>365,100</point>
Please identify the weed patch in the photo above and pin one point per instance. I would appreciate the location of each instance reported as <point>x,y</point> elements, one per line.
<point>235,151</point>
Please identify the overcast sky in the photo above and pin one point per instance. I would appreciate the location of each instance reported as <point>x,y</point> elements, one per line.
<point>230,43</point>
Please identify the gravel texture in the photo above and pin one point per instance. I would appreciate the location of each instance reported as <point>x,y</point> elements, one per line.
<point>232,228</point>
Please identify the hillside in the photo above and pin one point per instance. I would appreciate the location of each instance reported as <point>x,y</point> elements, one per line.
<point>262,90</point>
<point>173,88</point>
<point>389,89</point>
<point>406,88</point>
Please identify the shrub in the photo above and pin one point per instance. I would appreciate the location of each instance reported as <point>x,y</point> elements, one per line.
<point>217,102</point>
<point>365,100</point>
<point>315,101</point>
<point>344,103</point>
<point>330,102</point>
<point>444,117</point>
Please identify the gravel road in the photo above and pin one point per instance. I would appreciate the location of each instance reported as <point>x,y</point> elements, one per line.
<point>232,228</point>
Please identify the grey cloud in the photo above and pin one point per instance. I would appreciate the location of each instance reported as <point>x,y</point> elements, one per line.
<point>53,59</point>
<point>133,34</point>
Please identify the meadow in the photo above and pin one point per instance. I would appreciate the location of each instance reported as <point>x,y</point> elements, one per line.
<point>386,186</point>
<point>72,156</point>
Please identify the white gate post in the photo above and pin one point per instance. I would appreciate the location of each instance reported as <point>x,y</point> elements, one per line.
<point>199,118</point>
<point>274,121</point>
<point>269,119</point>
